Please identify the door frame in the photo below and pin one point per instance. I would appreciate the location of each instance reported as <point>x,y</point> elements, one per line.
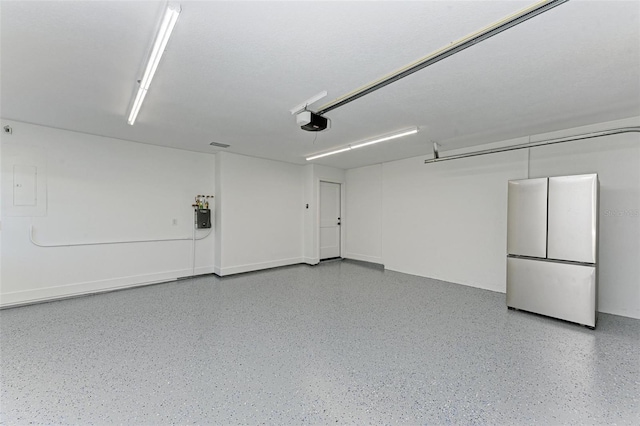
<point>342,218</point>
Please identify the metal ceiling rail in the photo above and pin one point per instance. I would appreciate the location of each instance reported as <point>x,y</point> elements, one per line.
<point>536,144</point>
<point>445,52</point>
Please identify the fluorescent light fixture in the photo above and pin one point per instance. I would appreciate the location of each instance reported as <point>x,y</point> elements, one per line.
<point>337,151</point>
<point>360,145</point>
<point>168,22</point>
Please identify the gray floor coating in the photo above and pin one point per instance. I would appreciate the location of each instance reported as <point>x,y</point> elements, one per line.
<point>339,343</point>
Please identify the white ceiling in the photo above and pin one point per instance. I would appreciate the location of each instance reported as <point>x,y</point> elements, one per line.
<point>232,71</point>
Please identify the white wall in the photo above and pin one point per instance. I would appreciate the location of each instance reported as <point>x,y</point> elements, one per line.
<point>310,217</point>
<point>445,220</point>
<point>99,190</point>
<point>260,213</point>
<point>448,220</point>
<point>217,258</point>
<point>364,214</point>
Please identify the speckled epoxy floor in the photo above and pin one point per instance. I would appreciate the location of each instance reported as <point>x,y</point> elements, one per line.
<point>337,343</point>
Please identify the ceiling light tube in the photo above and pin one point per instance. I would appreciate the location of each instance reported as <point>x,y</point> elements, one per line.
<point>337,151</point>
<point>168,22</point>
<point>360,145</point>
<point>386,138</point>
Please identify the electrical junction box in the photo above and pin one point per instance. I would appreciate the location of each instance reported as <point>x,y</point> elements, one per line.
<point>203,218</point>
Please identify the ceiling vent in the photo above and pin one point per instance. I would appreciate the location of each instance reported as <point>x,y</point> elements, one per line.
<point>219,145</point>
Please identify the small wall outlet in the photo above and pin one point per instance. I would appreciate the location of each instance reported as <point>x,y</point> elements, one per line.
<point>174,222</point>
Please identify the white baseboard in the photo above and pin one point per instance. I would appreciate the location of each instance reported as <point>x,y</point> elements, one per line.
<point>622,313</point>
<point>311,260</point>
<point>230,270</point>
<point>203,270</point>
<point>16,298</point>
<point>363,258</point>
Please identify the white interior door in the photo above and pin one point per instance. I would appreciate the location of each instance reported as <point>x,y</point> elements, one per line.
<point>329,220</point>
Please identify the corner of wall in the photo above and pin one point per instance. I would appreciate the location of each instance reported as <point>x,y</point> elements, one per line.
<point>217,251</point>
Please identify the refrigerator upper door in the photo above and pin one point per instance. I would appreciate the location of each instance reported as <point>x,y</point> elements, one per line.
<point>573,215</point>
<point>527,218</point>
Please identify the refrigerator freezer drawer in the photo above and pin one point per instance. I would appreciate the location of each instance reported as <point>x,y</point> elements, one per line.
<point>573,213</point>
<point>527,218</point>
<point>559,290</point>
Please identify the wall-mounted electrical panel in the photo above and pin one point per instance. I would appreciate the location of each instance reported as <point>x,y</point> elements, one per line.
<point>24,179</point>
<point>203,218</point>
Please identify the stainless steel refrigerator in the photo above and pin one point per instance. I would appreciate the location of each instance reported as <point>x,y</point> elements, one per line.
<point>552,247</point>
